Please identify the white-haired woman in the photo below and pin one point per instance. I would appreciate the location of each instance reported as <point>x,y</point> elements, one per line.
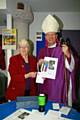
<point>22,69</point>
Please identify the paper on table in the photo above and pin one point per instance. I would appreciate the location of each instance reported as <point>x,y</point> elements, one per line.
<point>36,115</point>
<point>37,112</point>
<point>62,118</point>
<point>52,115</point>
<point>65,110</point>
<point>56,106</point>
<point>18,114</point>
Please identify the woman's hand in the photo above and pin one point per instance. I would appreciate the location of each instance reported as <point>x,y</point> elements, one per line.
<point>30,74</point>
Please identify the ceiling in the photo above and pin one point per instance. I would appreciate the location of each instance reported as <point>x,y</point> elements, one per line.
<point>54,5</point>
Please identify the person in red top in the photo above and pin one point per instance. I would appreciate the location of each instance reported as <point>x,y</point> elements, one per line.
<point>22,69</point>
<point>2,59</point>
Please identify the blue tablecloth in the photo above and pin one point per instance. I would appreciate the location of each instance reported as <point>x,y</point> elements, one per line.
<point>9,107</point>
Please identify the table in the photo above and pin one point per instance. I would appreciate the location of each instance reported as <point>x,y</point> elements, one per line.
<point>9,107</point>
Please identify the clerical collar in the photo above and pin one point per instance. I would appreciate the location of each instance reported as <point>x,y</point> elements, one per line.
<point>52,46</point>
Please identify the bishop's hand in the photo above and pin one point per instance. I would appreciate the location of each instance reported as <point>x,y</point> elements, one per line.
<point>66,50</point>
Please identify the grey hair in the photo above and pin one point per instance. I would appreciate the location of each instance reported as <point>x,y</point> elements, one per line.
<point>24,42</point>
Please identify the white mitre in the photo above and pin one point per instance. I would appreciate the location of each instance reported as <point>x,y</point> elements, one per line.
<point>50,24</point>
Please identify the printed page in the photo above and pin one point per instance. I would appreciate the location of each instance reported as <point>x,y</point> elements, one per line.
<point>56,106</point>
<point>52,115</point>
<point>65,110</point>
<point>20,114</point>
<point>49,68</point>
<point>39,78</point>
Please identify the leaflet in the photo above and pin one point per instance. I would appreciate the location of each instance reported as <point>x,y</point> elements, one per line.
<point>48,70</point>
<point>20,114</point>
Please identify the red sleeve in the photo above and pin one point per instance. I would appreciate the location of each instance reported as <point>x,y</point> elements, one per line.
<point>2,60</point>
<point>16,70</point>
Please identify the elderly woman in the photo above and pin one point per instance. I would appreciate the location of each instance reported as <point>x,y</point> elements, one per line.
<point>22,69</point>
